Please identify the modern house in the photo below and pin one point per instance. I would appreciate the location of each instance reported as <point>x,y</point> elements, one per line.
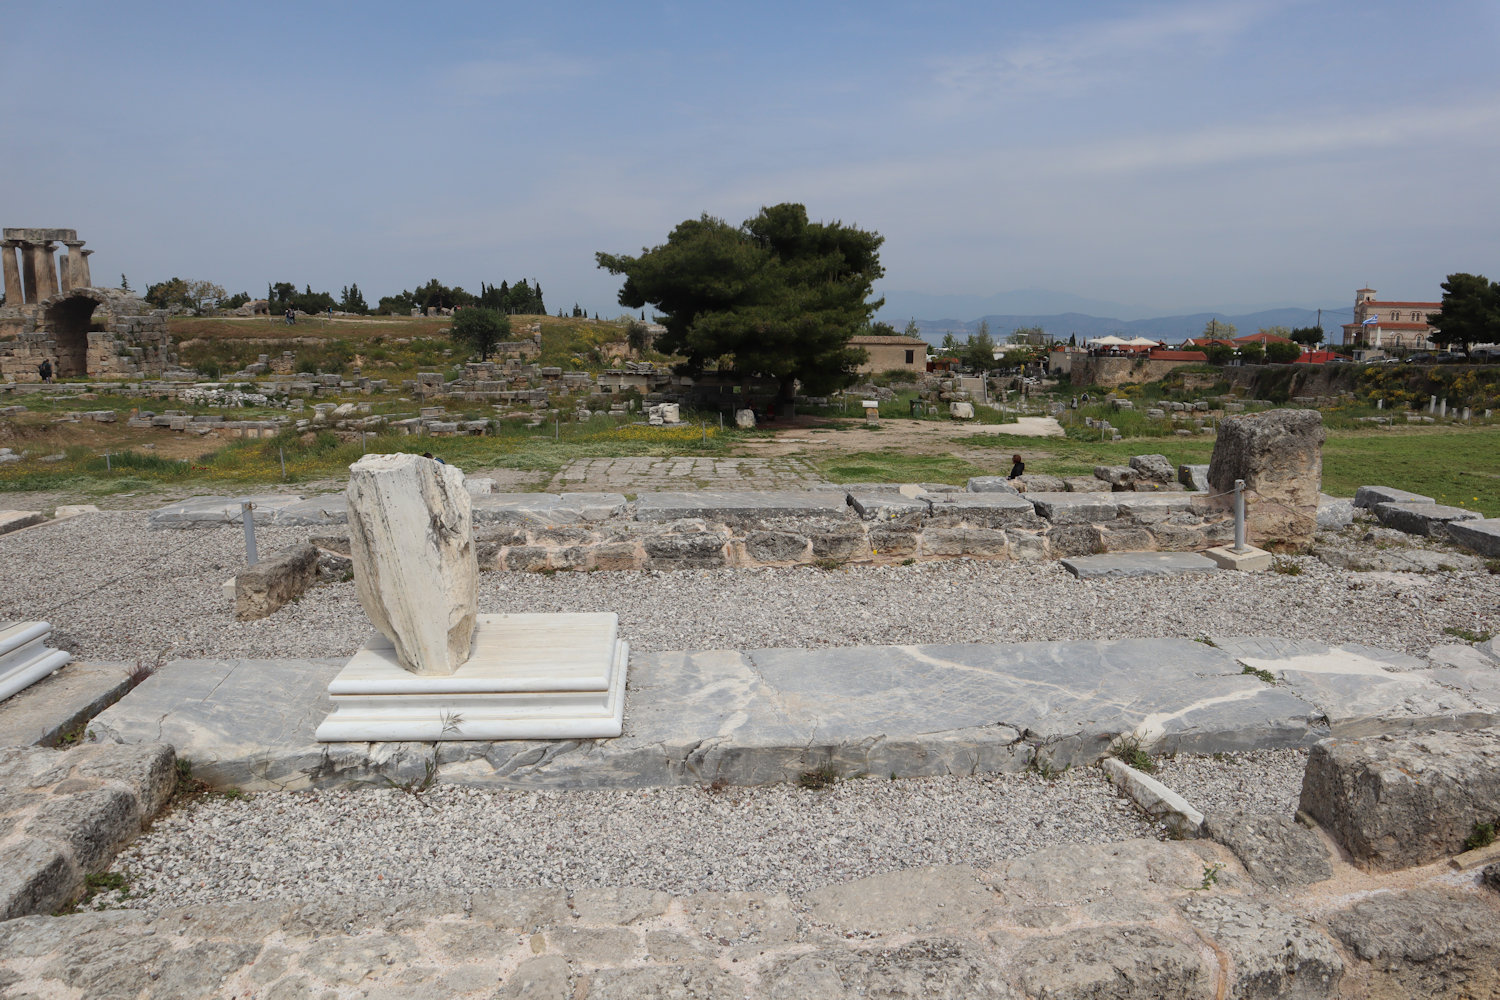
<point>888,353</point>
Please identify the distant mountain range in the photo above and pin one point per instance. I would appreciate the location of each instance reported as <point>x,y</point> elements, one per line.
<point>1064,315</point>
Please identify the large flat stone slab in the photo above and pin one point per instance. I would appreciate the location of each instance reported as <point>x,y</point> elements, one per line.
<point>62,703</point>
<point>199,510</point>
<point>720,505</point>
<point>1368,496</point>
<point>1423,518</point>
<point>546,508</point>
<point>1363,690</point>
<point>1138,564</point>
<point>1075,508</point>
<point>990,510</point>
<point>15,520</point>
<point>1478,536</point>
<point>750,717</point>
<point>330,508</point>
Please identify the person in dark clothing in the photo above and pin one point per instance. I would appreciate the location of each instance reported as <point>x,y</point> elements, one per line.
<point>45,370</point>
<point>1017,469</point>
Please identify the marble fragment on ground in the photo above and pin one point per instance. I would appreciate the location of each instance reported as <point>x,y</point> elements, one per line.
<point>412,541</point>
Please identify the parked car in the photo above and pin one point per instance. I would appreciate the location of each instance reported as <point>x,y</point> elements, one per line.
<point>1452,358</point>
<point>1420,358</point>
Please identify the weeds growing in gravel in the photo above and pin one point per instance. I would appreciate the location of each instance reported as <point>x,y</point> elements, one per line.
<point>825,776</point>
<point>413,787</point>
<point>1467,635</point>
<point>1264,675</point>
<point>1130,752</point>
<point>1286,566</point>
<point>1483,835</point>
<point>1493,565</point>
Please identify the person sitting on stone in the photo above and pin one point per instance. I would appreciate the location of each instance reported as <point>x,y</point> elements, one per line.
<point>1017,469</point>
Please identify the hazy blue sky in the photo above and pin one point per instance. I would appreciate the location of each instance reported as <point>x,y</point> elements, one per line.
<point>1165,155</point>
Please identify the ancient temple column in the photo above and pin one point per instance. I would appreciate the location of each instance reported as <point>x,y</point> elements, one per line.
<point>67,266</point>
<point>46,269</point>
<point>13,294</point>
<point>81,276</point>
<point>28,270</point>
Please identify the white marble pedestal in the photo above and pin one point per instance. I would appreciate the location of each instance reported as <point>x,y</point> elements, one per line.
<point>529,677</point>
<point>25,656</point>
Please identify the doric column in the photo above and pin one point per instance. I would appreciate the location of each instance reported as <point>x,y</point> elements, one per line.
<point>81,276</point>
<point>65,273</point>
<point>13,294</point>
<point>46,269</point>
<point>28,269</point>
<point>69,266</point>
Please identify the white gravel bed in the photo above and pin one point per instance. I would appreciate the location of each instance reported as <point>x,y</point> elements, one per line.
<point>306,845</point>
<point>1265,781</point>
<point>114,589</point>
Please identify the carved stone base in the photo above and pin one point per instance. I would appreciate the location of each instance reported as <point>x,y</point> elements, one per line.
<point>25,657</point>
<point>530,676</point>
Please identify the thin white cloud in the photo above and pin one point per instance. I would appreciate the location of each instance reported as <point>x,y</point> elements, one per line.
<point>484,79</point>
<point>1085,56</point>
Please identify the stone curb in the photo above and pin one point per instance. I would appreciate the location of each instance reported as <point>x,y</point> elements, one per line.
<point>1154,798</point>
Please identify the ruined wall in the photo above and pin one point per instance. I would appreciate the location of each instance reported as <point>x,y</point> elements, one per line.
<point>1114,371</point>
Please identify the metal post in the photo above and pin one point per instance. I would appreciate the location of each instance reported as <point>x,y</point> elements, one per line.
<point>1239,517</point>
<point>107,466</point>
<point>251,557</point>
<point>282,454</point>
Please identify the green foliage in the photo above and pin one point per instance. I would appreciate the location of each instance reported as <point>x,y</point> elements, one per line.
<point>1483,835</point>
<point>520,298</point>
<point>352,300</point>
<point>825,776</point>
<point>1264,675</point>
<point>1219,329</point>
<point>1470,313</point>
<point>1286,566</point>
<point>777,296</point>
<point>191,294</point>
<point>480,329</point>
<point>878,329</point>
<point>1282,353</point>
<point>979,352</point>
<point>1307,336</point>
<point>1218,354</point>
<point>1252,353</point>
<point>1128,750</point>
<point>1468,635</point>
<point>897,466</point>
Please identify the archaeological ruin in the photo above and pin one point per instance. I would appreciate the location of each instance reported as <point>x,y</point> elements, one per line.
<point>53,312</point>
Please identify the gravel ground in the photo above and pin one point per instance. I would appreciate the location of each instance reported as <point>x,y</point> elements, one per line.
<point>1257,781</point>
<point>679,840</point>
<point>115,590</point>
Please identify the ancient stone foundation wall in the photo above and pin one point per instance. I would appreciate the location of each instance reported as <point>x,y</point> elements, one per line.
<point>1110,372</point>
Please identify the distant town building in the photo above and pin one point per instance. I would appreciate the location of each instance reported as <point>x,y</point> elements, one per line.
<point>889,353</point>
<point>1399,325</point>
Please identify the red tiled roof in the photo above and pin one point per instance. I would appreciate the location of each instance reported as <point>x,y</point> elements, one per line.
<point>1163,355</point>
<point>1374,304</point>
<point>1389,326</point>
<point>1261,338</point>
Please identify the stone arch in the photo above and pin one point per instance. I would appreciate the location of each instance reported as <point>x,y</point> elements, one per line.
<point>67,317</point>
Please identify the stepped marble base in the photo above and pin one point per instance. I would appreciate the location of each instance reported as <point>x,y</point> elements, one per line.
<point>24,656</point>
<point>529,677</point>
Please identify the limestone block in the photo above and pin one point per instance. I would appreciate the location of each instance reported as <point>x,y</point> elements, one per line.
<point>270,584</point>
<point>1276,851</point>
<point>1424,943</point>
<point>1368,496</point>
<point>1396,801</point>
<point>1275,955</point>
<point>744,418</point>
<point>1477,536</point>
<point>961,411</point>
<point>1119,477</point>
<point>1423,518</point>
<point>1155,468</point>
<point>1334,512</point>
<point>1125,963</point>
<point>991,484</point>
<point>1279,455</point>
<point>412,541</point>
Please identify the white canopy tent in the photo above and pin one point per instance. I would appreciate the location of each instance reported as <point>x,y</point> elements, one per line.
<point>1110,341</point>
<point>1141,342</point>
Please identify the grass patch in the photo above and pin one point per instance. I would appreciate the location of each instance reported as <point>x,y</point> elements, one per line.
<point>1264,675</point>
<point>1286,566</point>
<point>1467,635</point>
<point>1483,835</point>
<point>825,776</point>
<point>890,465</point>
<point>1130,752</point>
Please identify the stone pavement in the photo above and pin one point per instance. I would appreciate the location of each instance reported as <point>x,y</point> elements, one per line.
<point>760,716</point>
<point>1132,921</point>
<point>642,474</point>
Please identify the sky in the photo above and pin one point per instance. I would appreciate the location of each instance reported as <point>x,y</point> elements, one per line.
<point>1160,157</point>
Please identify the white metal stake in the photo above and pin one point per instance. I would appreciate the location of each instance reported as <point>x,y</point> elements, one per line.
<point>251,557</point>
<point>1239,517</point>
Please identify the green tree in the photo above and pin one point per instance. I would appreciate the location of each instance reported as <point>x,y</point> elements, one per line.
<point>1218,354</point>
<point>878,329</point>
<point>950,343</point>
<point>777,296</point>
<point>1218,329</point>
<point>1276,331</point>
<point>1252,353</point>
<point>480,329</point>
<point>352,300</point>
<point>165,294</point>
<point>912,329</point>
<point>1470,313</point>
<point>1034,335</point>
<point>1279,352</point>
<point>125,284</point>
<point>979,352</point>
<point>1307,336</point>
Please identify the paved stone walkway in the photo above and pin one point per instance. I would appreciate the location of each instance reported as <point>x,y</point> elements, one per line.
<point>1133,920</point>
<point>748,717</point>
<point>642,474</point>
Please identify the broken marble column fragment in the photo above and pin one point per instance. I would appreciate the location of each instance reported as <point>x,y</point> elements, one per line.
<point>412,542</point>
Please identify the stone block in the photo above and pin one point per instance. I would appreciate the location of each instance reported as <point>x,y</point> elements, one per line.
<point>1396,801</point>
<point>1425,942</point>
<point>961,411</point>
<point>1481,536</point>
<point>697,550</point>
<point>1194,477</point>
<point>1276,850</point>
<point>1119,477</point>
<point>964,542</point>
<point>1367,497</point>
<point>991,484</point>
<point>1121,963</point>
<point>1065,540</point>
<point>270,584</point>
<point>14,520</point>
<point>1075,508</point>
<point>1251,560</point>
<point>738,506</point>
<point>886,508</point>
<point>840,543</point>
<point>92,824</point>
<point>1273,954</point>
<point>988,510</point>
<point>1423,518</point>
<point>776,546</point>
<point>893,541</point>
<point>35,877</point>
<point>1084,484</point>
<point>1334,513</point>
<point>412,541</point>
<point>1155,468</point>
<point>1279,455</point>
<point>1035,482</point>
<point>1088,566</point>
